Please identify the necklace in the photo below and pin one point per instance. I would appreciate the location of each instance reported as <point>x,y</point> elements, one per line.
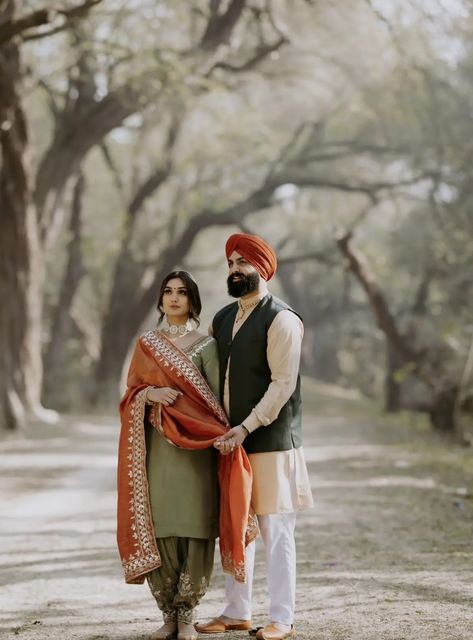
<point>243,309</point>
<point>176,330</point>
<point>180,329</point>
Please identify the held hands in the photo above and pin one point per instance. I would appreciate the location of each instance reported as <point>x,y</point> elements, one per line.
<point>231,440</point>
<point>165,395</point>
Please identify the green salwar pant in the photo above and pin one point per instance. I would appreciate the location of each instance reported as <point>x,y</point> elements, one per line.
<point>183,577</point>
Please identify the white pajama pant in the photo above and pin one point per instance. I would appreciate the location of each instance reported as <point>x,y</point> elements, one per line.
<point>277,533</point>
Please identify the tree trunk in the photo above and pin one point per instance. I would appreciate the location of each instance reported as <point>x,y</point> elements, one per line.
<point>76,134</point>
<point>127,311</point>
<point>117,335</point>
<point>62,325</point>
<point>319,356</point>
<point>21,266</point>
<point>442,413</point>
<point>322,362</point>
<point>392,385</point>
<point>442,403</point>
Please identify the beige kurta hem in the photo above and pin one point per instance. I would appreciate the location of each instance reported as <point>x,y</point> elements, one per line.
<point>280,482</point>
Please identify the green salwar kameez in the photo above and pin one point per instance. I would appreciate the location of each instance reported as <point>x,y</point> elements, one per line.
<point>183,490</point>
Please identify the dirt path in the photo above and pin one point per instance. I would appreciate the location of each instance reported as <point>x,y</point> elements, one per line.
<point>385,555</point>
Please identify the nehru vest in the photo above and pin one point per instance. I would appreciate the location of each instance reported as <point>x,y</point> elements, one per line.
<point>250,375</point>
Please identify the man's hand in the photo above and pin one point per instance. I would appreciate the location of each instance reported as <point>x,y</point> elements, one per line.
<point>165,395</point>
<point>231,440</point>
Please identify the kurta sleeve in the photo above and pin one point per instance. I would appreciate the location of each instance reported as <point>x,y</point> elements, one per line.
<point>283,353</point>
<point>210,369</point>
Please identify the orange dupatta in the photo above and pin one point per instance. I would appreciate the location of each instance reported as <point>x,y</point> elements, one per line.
<point>194,421</point>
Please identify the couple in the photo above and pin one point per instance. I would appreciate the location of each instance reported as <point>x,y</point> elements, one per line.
<point>187,474</point>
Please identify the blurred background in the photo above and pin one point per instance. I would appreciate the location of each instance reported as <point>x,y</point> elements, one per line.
<point>137,136</point>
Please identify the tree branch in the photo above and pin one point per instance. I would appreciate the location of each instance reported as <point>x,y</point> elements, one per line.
<point>147,188</point>
<point>384,318</point>
<point>325,257</point>
<point>220,25</point>
<point>262,52</point>
<point>110,162</point>
<point>80,10</point>
<point>370,189</point>
<point>12,28</point>
<point>16,27</point>
<point>161,173</point>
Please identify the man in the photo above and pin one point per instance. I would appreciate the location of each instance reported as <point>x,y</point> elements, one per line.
<point>259,342</point>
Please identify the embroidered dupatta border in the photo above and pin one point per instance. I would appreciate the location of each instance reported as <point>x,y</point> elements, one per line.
<point>238,570</point>
<point>171,356</point>
<point>146,558</point>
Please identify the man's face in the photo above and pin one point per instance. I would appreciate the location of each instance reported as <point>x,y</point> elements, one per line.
<point>242,276</point>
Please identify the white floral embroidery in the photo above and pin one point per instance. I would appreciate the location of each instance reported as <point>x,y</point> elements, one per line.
<point>178,600</point>
<point>199,346</point>
<point>238,570</point>
<point>146,556</point>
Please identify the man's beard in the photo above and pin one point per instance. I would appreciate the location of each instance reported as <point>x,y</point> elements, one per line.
<point>243,286</point>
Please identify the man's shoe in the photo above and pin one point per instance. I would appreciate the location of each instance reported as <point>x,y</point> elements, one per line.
<point>218,625</point>
<point>273,632</point>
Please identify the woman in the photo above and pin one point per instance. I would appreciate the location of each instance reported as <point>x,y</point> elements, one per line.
<point>169,497</point>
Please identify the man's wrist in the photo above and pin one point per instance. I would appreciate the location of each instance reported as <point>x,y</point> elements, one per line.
<point>245,429</point>
<point>251,422</point>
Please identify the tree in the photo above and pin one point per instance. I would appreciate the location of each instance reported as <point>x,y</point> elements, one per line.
<point>22,265</point>
<point>31,204</point>
<point>427,364</point>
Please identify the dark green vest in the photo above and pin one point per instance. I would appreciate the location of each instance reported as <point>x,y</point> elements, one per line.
<point>250,375</point>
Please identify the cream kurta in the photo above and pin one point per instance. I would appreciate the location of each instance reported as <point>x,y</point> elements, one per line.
<point>280,480</point>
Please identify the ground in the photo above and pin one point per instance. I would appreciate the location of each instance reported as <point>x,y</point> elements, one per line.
<point>386,553</point>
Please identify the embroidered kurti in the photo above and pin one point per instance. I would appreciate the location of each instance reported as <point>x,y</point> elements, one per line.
<point>192,422</point>
<point>183,484</point>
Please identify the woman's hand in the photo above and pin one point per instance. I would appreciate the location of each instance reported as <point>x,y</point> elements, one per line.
<point>165,395</point>
<point>231,440</point>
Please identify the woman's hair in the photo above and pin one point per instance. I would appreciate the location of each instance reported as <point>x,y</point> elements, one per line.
<point>195,305</point>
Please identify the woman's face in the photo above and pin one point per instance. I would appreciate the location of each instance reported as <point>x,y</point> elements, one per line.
<point>176,301</point>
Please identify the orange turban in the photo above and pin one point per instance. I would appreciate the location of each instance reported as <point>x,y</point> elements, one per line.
<point>254,249</point>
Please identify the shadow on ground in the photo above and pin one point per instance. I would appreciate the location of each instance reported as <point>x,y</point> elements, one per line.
<point>385,555</point>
